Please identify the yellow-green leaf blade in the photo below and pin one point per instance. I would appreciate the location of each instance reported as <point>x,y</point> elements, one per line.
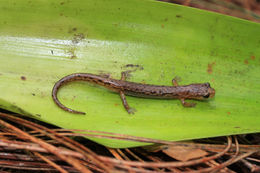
<point>46,40</point>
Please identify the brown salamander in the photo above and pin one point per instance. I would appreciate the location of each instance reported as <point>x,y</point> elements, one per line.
<point>193,91</point>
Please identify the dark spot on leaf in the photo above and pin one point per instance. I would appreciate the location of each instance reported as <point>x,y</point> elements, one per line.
<point>33,94</point>
<point>131,65</point>
<point>178,16</point>
<point>71,30</point>
<point>73,57</point>
<point>62,3</point>
<point>253,57</point>
<point>228,113</point>
<point>237,127</point>
<point>134,66</point>
<point>23,78</point>
<point>77,38</point>
<point>246,61</point>
<point>162,25</point>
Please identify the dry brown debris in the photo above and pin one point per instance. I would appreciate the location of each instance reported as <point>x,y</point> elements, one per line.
<point>29,146</point>
<point>245,9</point>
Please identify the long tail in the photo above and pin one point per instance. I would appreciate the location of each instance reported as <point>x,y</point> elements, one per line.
<point>55,89</point>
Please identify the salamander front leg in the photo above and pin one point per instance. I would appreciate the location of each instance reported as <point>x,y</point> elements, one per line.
<point>174,82</point>
<point>123,75</point>
<point>186,104</point>
<point>127,107</point>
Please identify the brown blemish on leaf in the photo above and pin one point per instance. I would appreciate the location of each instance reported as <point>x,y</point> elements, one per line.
<point>166,19</point>
<point>210,67</point>
<point>253,57</point>
<point>162,25</point>
<point>178,16</point>
<point>71,30</point>
<point>72,53</point>
<point>77,38</point>
<point>116,104</point>
<point>237,127</point>
<point>62,3</point>
<point>134,65</point>
<point>23,78</point>
<point>246,61</point>
<point>228,113</point>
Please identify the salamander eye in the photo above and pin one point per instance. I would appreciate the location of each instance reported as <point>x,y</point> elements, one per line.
<point>206,96</point>
<point>207,84</point>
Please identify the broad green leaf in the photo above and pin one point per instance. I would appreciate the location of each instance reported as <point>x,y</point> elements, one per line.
<point>42,41</point>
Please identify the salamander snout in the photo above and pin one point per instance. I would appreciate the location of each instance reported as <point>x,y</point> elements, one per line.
<point>211,92</point>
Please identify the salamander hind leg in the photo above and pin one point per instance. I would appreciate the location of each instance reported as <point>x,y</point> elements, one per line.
<point>127,107</point>
<point>187,104</point>
<point>123,75</point>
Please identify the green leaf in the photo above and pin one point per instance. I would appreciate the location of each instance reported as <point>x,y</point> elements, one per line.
<point>42,41</point>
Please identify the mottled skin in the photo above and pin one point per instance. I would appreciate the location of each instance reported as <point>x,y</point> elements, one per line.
<point>193,91</point>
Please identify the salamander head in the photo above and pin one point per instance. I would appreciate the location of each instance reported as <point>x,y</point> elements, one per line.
<point>207,92</point>
<point>200,91</point>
